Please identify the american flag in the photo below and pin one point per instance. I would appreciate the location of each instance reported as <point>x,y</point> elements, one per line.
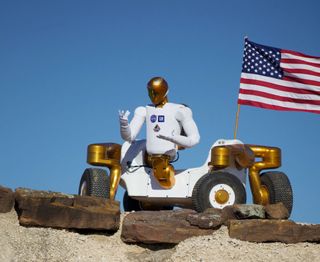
<point>279,79</point>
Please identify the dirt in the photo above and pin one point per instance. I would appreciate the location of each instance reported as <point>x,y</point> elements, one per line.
<point>18,243</point>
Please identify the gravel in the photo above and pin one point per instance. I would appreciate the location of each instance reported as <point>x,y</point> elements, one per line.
<point>18,243</point>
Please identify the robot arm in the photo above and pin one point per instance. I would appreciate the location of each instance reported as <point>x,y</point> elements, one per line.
<point>130,131</point>
<point>184,116</point>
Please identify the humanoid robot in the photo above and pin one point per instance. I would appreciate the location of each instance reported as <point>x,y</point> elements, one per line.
<point>169,127</point>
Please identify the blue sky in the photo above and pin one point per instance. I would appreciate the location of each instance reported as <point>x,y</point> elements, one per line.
<point>68,66</point>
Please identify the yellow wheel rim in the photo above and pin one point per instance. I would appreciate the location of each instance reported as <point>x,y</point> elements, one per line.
<point>221,196</point>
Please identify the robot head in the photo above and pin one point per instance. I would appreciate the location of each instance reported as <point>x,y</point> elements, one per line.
<point>158,90</point>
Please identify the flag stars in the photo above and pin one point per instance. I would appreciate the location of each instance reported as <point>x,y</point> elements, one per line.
<point>261,60</point>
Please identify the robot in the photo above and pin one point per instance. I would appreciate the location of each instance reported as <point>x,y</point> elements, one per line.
<point>169,126</point>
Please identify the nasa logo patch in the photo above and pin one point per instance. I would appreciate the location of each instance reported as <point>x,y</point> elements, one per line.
<point>153,118</point>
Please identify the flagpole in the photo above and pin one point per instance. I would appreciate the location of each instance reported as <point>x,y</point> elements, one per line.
<point>237,122</point>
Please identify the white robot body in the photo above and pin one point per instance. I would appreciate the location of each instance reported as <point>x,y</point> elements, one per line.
<point>161,121</point>
<point>163,128</point>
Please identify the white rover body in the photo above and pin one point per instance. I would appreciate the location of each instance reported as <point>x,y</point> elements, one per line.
<point>219,182</point>
<point>141,185</point>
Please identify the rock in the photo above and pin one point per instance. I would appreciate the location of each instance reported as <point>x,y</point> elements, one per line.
<point>276,211</point>
<point>57,210</point>
<point>210,218</point>
<point>151,227</point>
<point>227,214</point>
<point>213,217</point>
<point>263,230</point>
<point>249,211</point>
<point>6,199</point>
<point>213,211</point>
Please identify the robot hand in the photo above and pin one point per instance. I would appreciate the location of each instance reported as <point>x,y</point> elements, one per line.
<point>182,141</point>
<point>123,117</point>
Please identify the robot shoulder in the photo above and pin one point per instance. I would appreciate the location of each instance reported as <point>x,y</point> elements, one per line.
<point>140,111</point>
<point>183,112</point>
<point>177,106</point>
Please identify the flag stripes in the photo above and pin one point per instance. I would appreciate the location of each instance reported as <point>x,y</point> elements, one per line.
<point>292,82</point>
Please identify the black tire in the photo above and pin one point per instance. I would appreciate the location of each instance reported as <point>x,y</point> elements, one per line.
<point>94,182</point>
<point>130,204</point>
<point>279,188</point>
<point>203,188</point>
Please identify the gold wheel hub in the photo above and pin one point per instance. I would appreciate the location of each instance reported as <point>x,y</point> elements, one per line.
<point>222,196</point>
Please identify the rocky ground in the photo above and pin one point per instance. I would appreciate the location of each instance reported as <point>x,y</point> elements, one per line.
<point>19,243</point>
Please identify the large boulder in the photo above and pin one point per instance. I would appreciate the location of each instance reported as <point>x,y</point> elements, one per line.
<point>6,199</point>
<point>57,210</point>
<point>263,230</point>
<point>151,227</point>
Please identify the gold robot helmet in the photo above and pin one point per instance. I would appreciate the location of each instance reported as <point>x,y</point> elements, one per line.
<point>158,90</point>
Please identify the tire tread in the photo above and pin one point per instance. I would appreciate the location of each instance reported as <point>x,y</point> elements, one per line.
<point>98,182</point>
<point>279,187</point>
